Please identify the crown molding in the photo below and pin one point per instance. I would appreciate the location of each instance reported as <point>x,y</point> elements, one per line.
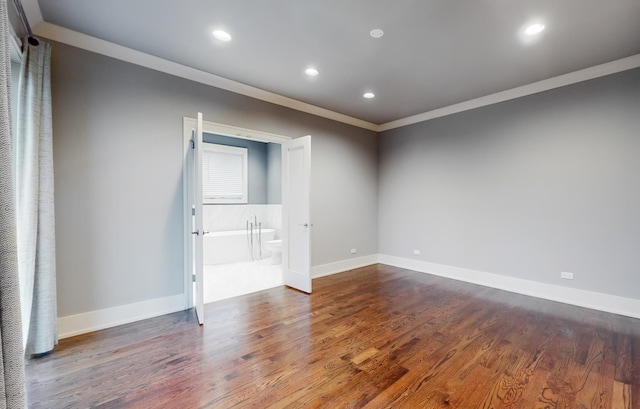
<point>93,44</point>
<point>96,45</point>
<point>586,74</point>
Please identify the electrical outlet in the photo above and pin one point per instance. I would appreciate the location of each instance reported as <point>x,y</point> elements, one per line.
<point>354,251</point>
<point>416,252</point>
<point>566,276</point>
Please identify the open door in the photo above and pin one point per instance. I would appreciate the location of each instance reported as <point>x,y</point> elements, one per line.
<point>296,226</point>
<point>194,227</point>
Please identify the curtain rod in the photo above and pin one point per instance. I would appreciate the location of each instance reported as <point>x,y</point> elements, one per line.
<point>18,5</point>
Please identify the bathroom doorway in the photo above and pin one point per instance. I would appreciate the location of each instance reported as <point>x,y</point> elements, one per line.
<point>258,226</point>
<point>242,216</point>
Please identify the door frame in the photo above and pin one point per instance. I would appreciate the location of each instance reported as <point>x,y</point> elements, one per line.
<point>188,124</point>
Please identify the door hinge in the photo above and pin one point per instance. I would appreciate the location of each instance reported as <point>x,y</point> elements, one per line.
<point>193,278</point>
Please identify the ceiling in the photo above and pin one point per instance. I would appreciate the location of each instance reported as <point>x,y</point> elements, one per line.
<point>434,53</point>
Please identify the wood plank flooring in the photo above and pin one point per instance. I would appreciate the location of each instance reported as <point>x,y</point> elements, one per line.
<point>376,337</point>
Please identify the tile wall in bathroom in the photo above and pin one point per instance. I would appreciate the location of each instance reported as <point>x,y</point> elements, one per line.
<point>234,217</point>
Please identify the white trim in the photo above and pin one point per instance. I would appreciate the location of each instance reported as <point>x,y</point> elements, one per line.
<point>188,125</point>
<point>242,133</point>
<point>96,45</point>
<point>567,295</point>
<point>93,44</point>
<point>32,12</point>
<point>110,317</point>
<point>73,325</point>
<point>343,265</point>
<point>586,74</point>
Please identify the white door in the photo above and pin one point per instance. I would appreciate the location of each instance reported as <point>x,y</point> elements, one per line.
<point>195,227</point>
<point>296,226</point>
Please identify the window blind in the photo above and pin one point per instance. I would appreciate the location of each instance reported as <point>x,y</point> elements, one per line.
<point>224,174</point>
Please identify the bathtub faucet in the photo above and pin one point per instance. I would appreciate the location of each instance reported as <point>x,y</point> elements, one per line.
<point>254,231</point>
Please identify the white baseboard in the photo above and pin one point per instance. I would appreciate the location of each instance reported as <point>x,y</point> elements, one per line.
<point>582,298</point>
<point>343,265</point>
<point>110,317</point>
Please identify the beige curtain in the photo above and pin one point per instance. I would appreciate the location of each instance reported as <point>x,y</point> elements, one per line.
<point>12,383</point>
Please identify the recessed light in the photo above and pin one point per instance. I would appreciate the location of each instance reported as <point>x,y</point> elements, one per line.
<point>222,35</point>
<point>534,29</point>
<point>376,33</point>
<point>369,95</point>
<point>312,72</point>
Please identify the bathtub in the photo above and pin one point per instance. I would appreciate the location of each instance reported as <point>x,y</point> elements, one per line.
<point>223,247</point>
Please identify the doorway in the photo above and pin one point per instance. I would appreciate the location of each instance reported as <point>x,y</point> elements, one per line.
<point>242,216</point>
<point>295,230</point>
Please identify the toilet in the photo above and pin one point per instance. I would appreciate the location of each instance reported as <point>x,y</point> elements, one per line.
<point>275,247</point>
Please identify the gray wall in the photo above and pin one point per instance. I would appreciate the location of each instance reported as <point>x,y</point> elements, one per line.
<point>118,162</point>
<point>257,164</point>
<point>526,188</point>
<point>274,173</point>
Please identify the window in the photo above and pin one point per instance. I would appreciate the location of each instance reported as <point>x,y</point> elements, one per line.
<point>224,171</point>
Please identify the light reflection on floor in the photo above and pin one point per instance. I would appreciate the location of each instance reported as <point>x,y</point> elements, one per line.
<point>230,280</point>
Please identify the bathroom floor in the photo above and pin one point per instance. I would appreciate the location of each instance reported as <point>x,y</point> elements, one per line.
<point>230,280</point>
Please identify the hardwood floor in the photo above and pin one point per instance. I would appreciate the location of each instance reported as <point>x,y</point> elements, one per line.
<point>376,337</point>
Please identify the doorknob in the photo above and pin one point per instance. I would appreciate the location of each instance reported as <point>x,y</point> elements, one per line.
<point>197,232</point>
